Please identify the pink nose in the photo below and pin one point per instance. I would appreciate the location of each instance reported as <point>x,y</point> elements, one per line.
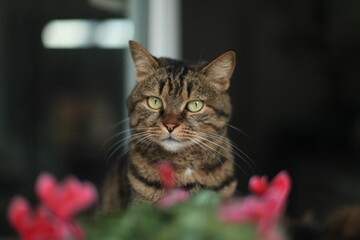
<point>170,127</point>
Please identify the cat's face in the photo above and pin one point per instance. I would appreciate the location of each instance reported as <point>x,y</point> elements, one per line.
<point>178,106</point>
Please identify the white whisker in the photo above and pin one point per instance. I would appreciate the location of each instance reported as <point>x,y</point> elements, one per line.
<point>147,137</point>
<point>214,139</point>
<point>222,147</point>
<point>119,144</point>
<point>239,152</point>
<point>119,123</point>
<point>237,129</point>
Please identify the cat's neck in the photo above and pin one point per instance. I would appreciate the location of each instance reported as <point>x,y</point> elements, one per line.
<point>193,156</point>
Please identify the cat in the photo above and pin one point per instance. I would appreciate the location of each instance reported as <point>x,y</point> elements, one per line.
<point>178,113</point>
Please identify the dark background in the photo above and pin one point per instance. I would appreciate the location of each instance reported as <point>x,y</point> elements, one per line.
<point>295,92</point>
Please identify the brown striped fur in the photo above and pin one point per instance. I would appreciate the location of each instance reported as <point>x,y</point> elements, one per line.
<point>201,152</point>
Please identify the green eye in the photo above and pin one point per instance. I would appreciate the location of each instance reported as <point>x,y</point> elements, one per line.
<point>154,103</point>
<point>195,106</point>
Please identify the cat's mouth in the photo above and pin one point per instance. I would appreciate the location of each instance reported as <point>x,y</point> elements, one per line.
<point>172,144</point>
<point>170,139</point>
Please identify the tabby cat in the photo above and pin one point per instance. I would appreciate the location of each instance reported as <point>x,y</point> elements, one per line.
<point>178,113</point>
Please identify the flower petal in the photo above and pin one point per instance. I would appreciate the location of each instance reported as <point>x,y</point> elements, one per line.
<point>19,213</point>
<point>281,183</point>
<point>75,197</point>
<point>46,188</point>
<point>258,185</point>
<point>167,174</point>
<point>173,197</point>
<point>264,210</point>
<point>65,199</point>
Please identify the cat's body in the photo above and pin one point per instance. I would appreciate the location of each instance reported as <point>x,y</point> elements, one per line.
<point>178,113</point>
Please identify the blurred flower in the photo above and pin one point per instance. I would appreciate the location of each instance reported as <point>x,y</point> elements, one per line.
<point>66,199</point>
<point>53,218</point>
<point>265,209</point>
<point>36,225</point>
<point>167,174</point>
<point>172,195</point>
<point>258,185</point>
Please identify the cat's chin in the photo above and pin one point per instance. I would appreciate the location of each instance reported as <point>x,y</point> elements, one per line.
<point>173,145</point>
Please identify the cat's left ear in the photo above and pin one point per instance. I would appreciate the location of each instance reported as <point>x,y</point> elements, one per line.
<point>220,70</point>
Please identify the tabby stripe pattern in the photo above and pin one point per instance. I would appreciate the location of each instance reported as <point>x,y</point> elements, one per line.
<point>174,129</point>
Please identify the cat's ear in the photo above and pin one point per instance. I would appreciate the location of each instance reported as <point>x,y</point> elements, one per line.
<point>145,64</point>
<point>219,71</point>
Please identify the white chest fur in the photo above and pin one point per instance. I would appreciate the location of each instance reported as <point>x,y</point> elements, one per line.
<point>188,172</point>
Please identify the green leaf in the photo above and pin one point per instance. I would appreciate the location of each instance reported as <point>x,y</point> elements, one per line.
<point>195,219</point>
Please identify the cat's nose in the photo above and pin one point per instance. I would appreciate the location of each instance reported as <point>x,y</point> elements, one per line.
<point>170,127</point>
<point>170,121</point>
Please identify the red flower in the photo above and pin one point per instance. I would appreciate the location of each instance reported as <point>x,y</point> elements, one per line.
<point>258,185</point>
<point>167,174</point>
<point>172,196</point>
<point>67,199</point>
<point>265,209</point>
<point>53,218</point>
<point>38,225</point>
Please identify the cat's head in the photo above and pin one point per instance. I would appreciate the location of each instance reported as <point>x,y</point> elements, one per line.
<point>176,105</point>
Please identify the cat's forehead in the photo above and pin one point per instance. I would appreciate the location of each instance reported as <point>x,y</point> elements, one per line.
<point>173,65</point>
<point>176,82</point>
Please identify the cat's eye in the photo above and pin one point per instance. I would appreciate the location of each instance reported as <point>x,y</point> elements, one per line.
<point>195,106</point>
<point>154,103</point>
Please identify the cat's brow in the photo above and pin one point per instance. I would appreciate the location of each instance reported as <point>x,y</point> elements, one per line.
<point>161,86</point>
<point>189,87</point>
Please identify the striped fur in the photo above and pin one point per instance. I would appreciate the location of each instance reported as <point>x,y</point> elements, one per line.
<point>200,151</point>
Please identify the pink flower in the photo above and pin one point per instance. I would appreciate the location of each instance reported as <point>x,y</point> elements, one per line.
<point>173,197</point>
<point>66,199</point>
<point>265,209</point>
<point>53,218</point>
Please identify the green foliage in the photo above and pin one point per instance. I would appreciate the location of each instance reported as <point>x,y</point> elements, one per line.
<point>196,219</point>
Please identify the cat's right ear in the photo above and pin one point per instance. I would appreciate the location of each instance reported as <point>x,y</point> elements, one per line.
<point>145,64</point>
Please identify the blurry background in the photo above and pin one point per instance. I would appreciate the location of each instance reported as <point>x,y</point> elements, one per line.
<point>65,72</point>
